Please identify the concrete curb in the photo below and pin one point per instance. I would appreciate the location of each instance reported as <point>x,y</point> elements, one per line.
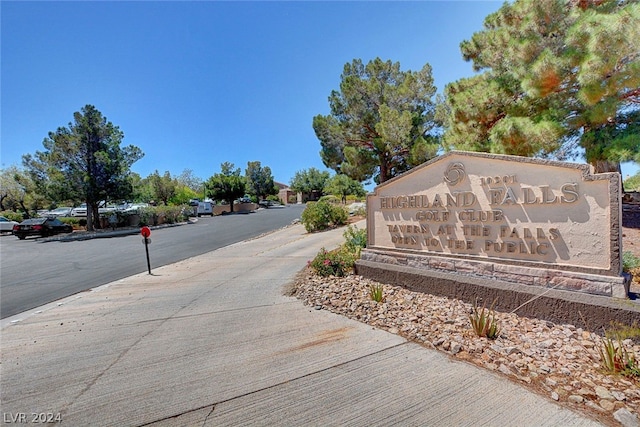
<point>104,234</point>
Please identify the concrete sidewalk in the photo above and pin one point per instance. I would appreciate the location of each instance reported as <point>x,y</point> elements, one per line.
<point>213,341</point>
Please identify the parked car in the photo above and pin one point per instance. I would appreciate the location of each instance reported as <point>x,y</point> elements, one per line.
<point>268,203</point>
<point>41,227</point>
<point>80,210</point>
<point>204,208</point>
<point>107,209</point>
<point>135,207</point>
<point>62,211</point>
<point>6,225</point>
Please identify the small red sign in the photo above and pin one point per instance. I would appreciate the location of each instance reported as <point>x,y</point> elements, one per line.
<point>145,231</point>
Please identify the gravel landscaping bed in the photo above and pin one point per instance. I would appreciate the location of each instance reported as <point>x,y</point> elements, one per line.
<point>561,362</point>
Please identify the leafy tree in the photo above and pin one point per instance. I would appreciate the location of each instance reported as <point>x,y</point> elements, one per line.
<point>260,181</point>
<point>380,121</point>
<point>632,183</point>
<point>18,192</point>
<point>84,161</point>
<point>227,185</point>
<point>342,186</point>
<point>141,188</point>
<point>163,187</point>
<point>187,178</point>
<point>11,192</point>
<point>309,181</point>
<point>556,75</point>
<point>183,194</point>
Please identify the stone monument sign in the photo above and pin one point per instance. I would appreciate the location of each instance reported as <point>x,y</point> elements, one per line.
<point>521,220</point>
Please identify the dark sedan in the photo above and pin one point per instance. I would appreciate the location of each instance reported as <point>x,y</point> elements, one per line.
<point>41,227</point>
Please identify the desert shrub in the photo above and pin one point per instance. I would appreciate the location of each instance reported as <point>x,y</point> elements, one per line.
<point>12,216</point>
<point>355,239</point>
<point>330,199</point>
<point>351,198</point>
<point>154,215</point>
<point>72,221</point>
<point>322,215</point>
<point>173,214</point>
<point>629,261</point>
<point>339,215</point>
<point>146,216</point>
<point>338,262</point>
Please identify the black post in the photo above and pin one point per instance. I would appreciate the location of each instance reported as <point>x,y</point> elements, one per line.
<point>146,248</point>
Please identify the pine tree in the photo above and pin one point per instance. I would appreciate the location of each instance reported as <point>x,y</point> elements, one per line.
<point>380,121</point>
<point>84,161</point>
<point>556,75</point>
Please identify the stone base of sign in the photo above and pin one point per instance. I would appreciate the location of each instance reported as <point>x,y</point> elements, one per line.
<point>610,286</point>
<point>539,293</point>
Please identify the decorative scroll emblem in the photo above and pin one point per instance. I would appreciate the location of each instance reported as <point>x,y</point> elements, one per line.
<point>455,173</point>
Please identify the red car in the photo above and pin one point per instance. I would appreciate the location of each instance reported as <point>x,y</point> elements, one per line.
<point>41,227</point>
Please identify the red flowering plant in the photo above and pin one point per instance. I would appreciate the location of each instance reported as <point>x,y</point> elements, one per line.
<point>338,262</point>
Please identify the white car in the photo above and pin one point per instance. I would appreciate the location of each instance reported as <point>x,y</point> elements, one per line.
<point>63,211</point>
<point>6,225</point>
<point>135,207</point>
<point>107,209</point>
<point>204,208</point>
<point>80,210</point>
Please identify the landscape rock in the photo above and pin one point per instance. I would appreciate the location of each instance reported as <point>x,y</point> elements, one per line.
<point>560,361</point>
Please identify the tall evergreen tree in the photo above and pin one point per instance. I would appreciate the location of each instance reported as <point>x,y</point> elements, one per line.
<point>84,161</point>
<point>556,75</point>
<point>163,187</point>
<point>380,121</point>
<point>260,180</point>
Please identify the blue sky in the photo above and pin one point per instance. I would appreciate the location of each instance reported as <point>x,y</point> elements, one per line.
<point>196,84</point>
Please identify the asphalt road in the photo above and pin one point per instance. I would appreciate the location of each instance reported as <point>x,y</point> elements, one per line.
<point>34,273</point>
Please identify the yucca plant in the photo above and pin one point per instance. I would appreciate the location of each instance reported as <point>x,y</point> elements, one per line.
<point>613,356</point>
<point>617,360</point>
<point>375,292</point>
<point>484,322</point>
